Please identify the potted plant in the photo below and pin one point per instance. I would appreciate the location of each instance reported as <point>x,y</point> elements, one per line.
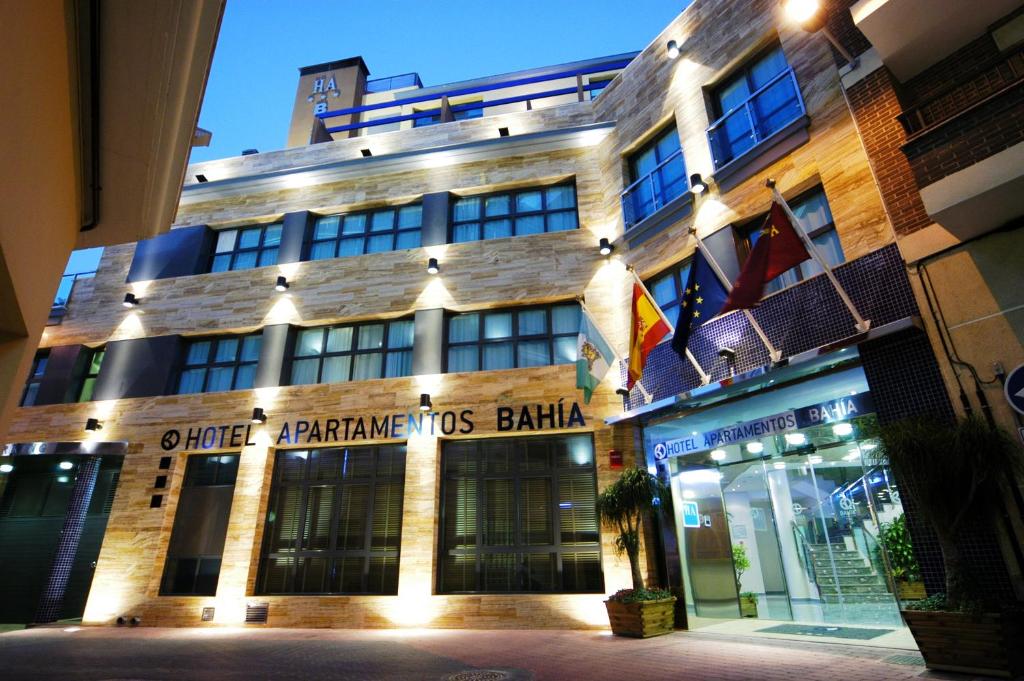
<point>954,474</point>
<point>894,539</point>
<point>637,612</point>
<point>741,563</point>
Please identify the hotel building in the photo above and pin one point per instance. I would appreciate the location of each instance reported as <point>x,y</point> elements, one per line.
<point>341,390</point>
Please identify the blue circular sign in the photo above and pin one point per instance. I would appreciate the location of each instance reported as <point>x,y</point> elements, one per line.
<point>1014,389</point>
<point>660,452</point>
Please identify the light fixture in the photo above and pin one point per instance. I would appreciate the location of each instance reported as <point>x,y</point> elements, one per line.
<point>796,438</point>
<point>728,354</point>
<point>282,284</point>
<point>92,425</point>
<point>604,246</point>
<point>718,454</point>
<point>755,447</point>
<point>502,132</point>
<point>65,465</point>
<point>258,416</point>
<point>842,429</point>
<point>801,11</point>
<point>778,465</point>
<point>366,153</point>
<point>432,266</point>
<point>807,15</point>
<point>697,185</point>
<point>425,403</point>
<point>622,391</point>
<point>6,468</point>
<point>673,49</point>
<point>130,300</point>
<point>689,494</point>
<point>201,178</point>
<point>814,459</point>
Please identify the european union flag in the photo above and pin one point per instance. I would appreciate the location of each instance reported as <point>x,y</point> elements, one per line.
<point>703,297</point>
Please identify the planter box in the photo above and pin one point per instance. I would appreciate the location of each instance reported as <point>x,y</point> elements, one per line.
<point>910,591</point>
<point>642,619</point>
<point>748,606</point>
<point>961,642</point>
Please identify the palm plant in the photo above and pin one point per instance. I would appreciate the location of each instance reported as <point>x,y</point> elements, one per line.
<point>954,473</point>
<point>622,505</point>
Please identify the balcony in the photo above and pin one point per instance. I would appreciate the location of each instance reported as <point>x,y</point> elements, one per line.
<point>655,190</point>
<point>64,291</point>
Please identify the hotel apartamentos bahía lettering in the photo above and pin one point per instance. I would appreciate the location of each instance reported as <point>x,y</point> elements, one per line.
<point>527,417</point>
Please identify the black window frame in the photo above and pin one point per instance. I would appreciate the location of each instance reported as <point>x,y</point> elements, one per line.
<point>36,372</point>
<point>513,213</point>
<point>88,374</point>
<point>395,231</point>
<point>516,473</point>
<point>515,338</point>
<point>384,349</point>
<point>332,553</point>
<point>211,363</point>
<point>259,249</point>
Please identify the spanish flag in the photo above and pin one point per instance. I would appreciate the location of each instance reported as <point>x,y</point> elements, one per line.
<point>649,328</point>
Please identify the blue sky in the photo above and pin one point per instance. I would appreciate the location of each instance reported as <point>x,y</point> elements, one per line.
<point>262,44</point>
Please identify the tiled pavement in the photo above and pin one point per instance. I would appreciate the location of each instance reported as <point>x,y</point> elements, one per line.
<point>145,654</point>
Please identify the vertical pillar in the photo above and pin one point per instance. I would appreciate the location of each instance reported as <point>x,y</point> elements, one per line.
<point>435,218</point>
<point>428,350</point>
<point>52,598</point>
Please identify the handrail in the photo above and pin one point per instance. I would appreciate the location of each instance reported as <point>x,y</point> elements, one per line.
<point>515,82</point>
<point>57,300</point>
<point>757,92</point>
<point>656,196</point>
<point>808,559</point>
<point>677,152</point>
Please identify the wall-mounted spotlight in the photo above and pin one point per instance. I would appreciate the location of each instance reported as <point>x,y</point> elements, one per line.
<point>605,247</point>
<point>258,416</point>
<point>130,300</point>
<point>807,15</point>
<point>728,354</point>
<point>92,425</point>
<point>425,403</point>
<point>432,266</point>
<point>697,184</point>
<point>366,153</point>
<point>673,49</point>
<point>6,468</point>
<point>282,284</point>
<point>801,11</point>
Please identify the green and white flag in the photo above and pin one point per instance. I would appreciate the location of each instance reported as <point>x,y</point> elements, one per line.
<point>594,355</point>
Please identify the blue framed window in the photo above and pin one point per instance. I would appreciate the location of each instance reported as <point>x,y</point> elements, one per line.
<point>667,288</point>
<point>222,363</point>
<point>598,86</point>
<point>816,220</point>
<point>518,213</point>
<point>658,175</point>
<point>353,352</point>
<point>376,231</point>
<point>462,115</point>
<point>510,339</point>
<point>35,378</point>
<point>753,104</point>
<point>246,247</point>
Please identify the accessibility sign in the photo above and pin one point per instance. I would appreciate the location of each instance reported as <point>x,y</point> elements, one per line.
<point>1014,388</point>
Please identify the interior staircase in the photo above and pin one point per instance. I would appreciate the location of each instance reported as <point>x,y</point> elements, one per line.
<point>858,581</point>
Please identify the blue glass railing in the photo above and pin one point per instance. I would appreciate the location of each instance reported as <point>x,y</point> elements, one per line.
<point>394,82</point>
<point>655,189</point>
<point>67,284</point>
<point>764,113</point>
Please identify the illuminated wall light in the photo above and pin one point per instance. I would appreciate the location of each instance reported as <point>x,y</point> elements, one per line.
<point>66,465</point>
<point>842,429</point>
<point>796,438</point>
<point>282,284</point>
<point>605,247</point>
<point>718,454</point>
<point>425,403</point>
<point>6,468</point>
<point>779,466</point>
<point>432,266</point>
<point>130,300</point>
<point>801,11</point>
<point>258,416</point>
<point>673,49</point>
<point>697,184</point>
<point>755,447</point>
<point>92,425</point>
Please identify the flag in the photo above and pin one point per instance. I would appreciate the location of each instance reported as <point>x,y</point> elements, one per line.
<point>703,297</point>
<point>649,328</point>
<point>594,356</point>
<point>777,249</point>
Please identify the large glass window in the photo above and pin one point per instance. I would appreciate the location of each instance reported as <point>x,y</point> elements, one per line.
<point>246,247</point>
<point>669,287</point>
<point>463,115</point>
<point>223,363</point>
<point>815,219</point>
<point>334,523</point>
<point>384,229</point>
<point>518,213</point>
<point>658,176</point>
<point>353,352</point>
<point>508,339</point>
<point>752,104</point>
<point>35,379</point>
<point>200,526</point>
<point>518,515</point>
<point>92,372</point>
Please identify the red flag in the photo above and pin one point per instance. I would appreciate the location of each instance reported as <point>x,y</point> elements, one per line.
<point>778,249</point>
<point>648,329</point>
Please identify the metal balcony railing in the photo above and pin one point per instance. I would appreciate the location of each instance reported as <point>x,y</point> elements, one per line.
<point>768,110</point>
<point>655,189</point>
<point>67,284</point>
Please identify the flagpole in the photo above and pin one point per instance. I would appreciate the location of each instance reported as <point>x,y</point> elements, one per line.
<point>774,354</point>
<point>862,324</point>
<point>590,316</point>
<point>704,378</point>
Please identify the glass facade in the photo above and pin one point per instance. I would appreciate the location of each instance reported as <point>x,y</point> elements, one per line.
<point>353,352</point>
<point>35,378</point>
<point>658,176</point>
<point>92,372</point>
<point>223,363</point>
<point>509,339</point>
<point>246,247</point>
<point>376,231</point>
<point>518,213</point>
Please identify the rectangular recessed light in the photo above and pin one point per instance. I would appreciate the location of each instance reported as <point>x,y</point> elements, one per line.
<point>502,132</point>
<point>201,178</point>
<point>366,153</point>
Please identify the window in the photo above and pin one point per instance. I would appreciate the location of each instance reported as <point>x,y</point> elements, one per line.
<point>384,229</point>
<point>35,379</point>
<point>816,220</point>
<point>200,526</point>
<point>334,522</point>
<point>247,247</point>
<point>518,213</point>
<point>658,176</point>
<point>92,371</point>
<point>753,104</point>
<point>507,339</point>
<point>463,115</point>
<point>668,288</point>
<point>599,84</point>
<point>224,363</point>
<point>353,352</point>
<point>518,515</point>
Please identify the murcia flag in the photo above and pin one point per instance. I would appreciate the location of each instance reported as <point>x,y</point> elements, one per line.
<point>594,356</point>
<point>649,328</point>
<point>703,296</point>
<point>778,249</point>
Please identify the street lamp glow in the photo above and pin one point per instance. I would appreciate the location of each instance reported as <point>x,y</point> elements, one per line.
<point>801,11</point>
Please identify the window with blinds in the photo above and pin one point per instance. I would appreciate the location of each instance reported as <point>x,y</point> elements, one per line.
<point>518,516</point>
<point>334,522</point>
